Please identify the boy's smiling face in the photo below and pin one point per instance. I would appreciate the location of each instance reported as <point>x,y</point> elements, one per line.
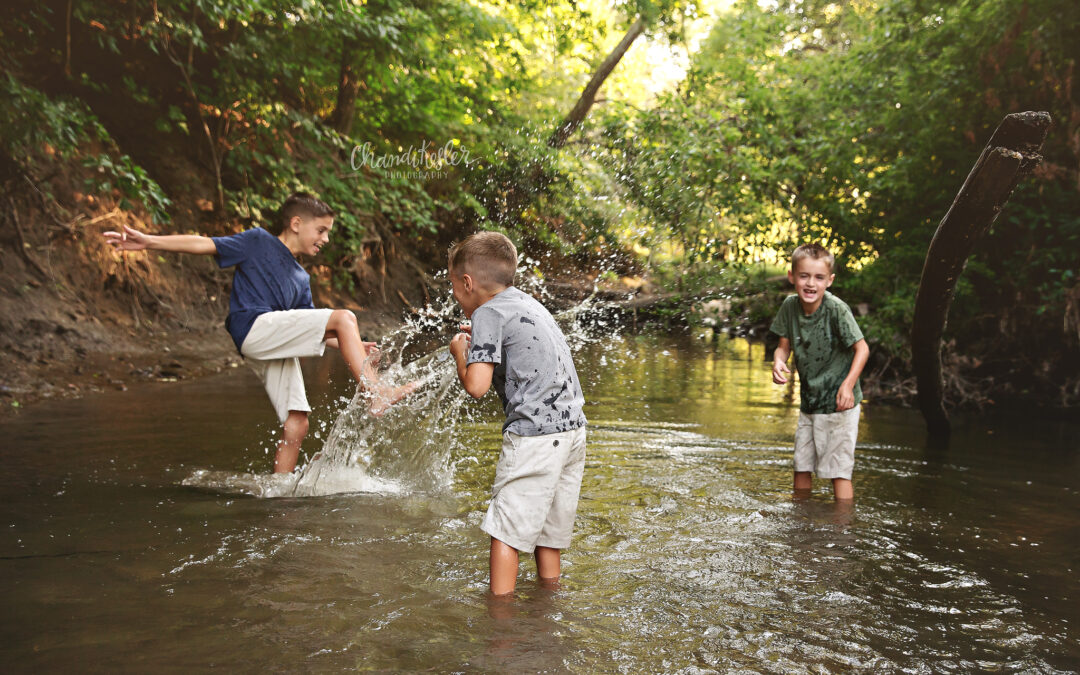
<point>308,235</point>
<point>811,277</point>
<point>314,233</point>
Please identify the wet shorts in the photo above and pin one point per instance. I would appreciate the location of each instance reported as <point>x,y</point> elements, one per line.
<point>537,481</point>
<point>272,348</point>
<point>825,443</point>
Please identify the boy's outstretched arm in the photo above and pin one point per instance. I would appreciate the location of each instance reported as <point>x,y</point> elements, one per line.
<point>845,397</point>
<point>780,357</point>
<point>133,240</point>
<point>475,377</point>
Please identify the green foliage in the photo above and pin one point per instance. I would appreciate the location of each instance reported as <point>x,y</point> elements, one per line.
<point>254,89</point>
<point>854,124</point>
<point>130,180</point>
<point>39,128</point>
<point>740,294</point>
<point>33,121</point>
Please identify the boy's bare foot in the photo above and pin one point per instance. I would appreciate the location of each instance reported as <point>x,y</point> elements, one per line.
<point>382,399</point>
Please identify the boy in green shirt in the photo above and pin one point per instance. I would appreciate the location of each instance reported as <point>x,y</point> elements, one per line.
<point>830,353</point>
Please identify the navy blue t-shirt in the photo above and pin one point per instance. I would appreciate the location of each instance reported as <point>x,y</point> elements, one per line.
<point>267,279</point>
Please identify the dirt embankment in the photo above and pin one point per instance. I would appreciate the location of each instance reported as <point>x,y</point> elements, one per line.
<point>77,317</point>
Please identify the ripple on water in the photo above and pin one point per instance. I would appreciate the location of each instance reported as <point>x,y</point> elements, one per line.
<point>690,554</point>
<point>343,480</point>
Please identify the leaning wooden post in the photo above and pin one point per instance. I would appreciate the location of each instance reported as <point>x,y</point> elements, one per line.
<point>1013,151</point>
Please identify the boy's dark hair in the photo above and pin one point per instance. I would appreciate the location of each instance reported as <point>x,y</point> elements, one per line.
<point>814,251</point>
<point>489,257</point>
<point>304,205</point>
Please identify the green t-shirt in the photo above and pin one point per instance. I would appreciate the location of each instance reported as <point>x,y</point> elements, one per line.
<point>821,344</point>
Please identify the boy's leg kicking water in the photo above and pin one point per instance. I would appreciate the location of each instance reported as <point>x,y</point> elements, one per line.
<point>342,329</point>
<point>272,349</point>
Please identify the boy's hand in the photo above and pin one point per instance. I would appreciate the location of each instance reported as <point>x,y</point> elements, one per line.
<point>845,398</point>
<point>458,346</point>
<point>778,370</point>
<point>128,240</point>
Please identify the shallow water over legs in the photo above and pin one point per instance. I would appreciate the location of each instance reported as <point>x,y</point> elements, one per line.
<point>690,554</point>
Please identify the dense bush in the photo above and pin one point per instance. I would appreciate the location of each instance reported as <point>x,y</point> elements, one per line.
<point>849,123</point>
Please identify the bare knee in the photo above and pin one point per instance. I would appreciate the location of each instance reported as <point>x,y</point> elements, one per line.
<point>296,425</point>
<point>342,320</point>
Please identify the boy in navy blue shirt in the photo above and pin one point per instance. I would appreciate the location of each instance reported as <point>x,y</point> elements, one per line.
<point>272,319</point>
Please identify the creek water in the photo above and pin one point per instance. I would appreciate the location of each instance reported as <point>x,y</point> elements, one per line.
<point>690,554</point>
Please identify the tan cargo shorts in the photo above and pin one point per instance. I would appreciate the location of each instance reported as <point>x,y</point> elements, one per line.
<point>825,443</point>
<point>273,348</point>
<point>535,496</point>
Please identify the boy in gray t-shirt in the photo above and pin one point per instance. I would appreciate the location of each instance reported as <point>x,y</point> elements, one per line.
<point>517,347</point>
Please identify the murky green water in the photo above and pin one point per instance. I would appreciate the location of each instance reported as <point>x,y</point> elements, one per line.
<point>689,556</point>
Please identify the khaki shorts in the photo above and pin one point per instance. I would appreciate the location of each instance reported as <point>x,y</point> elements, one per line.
<point>537,482</point>
<point>825,443</point>
<point>273,348</point>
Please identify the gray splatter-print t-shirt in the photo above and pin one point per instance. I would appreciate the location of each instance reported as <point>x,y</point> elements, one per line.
<point>534,372</point>
<point>822,345</point>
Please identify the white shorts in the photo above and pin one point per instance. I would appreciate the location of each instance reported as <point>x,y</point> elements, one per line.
<point>537,482</point>
<point>272,348</point>
<point>825,443</point>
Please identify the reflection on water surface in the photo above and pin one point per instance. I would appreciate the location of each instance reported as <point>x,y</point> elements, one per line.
<point>690,554</point>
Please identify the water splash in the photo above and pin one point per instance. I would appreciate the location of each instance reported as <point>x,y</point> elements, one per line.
<point>408,449</point>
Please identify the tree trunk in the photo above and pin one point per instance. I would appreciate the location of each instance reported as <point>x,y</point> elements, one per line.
<point>187,67</point>
<point>585,102</point>
<point>67,40</point>
<point>523,189</point>
<point>348,89</point>
<point>1011,153</point>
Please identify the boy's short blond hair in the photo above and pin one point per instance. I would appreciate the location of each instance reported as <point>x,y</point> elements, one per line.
<point>490,258</point>
<point>815,252</point>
